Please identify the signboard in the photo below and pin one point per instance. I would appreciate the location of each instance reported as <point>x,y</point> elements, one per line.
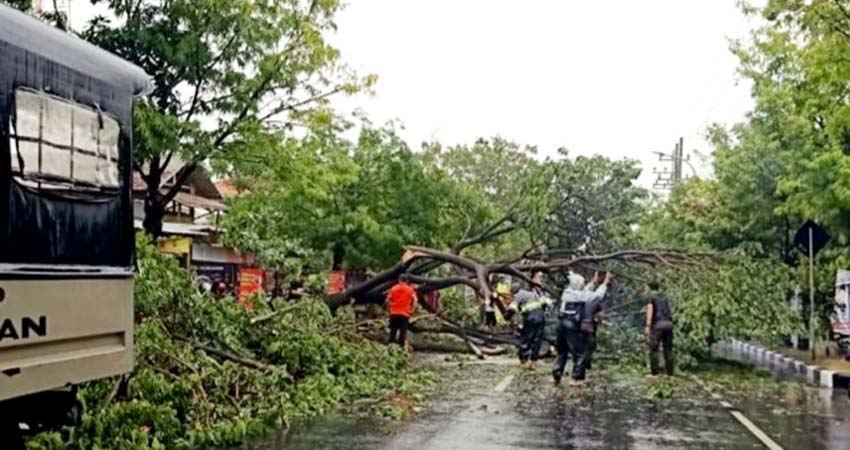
<point>810,239</point>
<point>336,282</point>
<point>250,282</point>
<point>175,246</point>
<point>217,273</point>
<point>819,238</point>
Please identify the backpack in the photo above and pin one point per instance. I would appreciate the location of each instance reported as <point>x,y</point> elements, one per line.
<point>572,311</point>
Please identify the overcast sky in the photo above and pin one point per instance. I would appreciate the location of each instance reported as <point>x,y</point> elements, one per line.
<point>619,78</point>
<point>622,78</point>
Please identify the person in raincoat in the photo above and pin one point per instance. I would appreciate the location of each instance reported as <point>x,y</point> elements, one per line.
<point>571,338</point>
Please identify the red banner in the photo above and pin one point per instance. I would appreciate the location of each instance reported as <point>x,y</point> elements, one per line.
<point>250,282</point>
<point>336,282</point>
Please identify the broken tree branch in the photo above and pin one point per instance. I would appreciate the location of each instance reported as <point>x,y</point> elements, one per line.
<point>247,362</point>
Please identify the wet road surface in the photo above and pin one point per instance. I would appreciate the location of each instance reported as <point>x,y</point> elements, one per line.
<point>615,412</point>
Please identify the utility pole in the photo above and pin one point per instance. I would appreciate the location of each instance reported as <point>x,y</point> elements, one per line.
<point>667,179</point>
<point>812,294</point>
<point>680,152</point>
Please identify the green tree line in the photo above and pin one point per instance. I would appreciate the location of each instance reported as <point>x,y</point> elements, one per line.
<point>788,161</point>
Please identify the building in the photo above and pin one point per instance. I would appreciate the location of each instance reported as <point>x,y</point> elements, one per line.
<point>190,227</point>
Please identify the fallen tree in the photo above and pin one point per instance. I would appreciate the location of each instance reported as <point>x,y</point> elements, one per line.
<point>420,343</point>
<point>421,262</point>
<point>418,262</point>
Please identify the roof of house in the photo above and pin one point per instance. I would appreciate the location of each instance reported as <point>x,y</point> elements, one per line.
<point>199,180</point>
<point>182,229</point>
<point>197,201</point>
<point>227,188</point>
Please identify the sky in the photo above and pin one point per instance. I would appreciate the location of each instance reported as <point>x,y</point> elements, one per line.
<point>619,78</point>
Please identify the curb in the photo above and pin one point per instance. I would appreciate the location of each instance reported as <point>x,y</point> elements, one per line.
<point>745,352</point>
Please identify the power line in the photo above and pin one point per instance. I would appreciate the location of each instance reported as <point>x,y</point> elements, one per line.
<point>744,25</point>
<point>666,179</point>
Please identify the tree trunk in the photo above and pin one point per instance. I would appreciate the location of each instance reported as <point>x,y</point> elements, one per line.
<point>154,214</point>
<point>420,343</point>
<point>154,207</point>
<point>338,256</point>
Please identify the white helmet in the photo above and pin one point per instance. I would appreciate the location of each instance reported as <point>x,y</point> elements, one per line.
<point>576,281</point>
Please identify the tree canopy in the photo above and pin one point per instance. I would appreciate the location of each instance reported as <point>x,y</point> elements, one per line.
<point>228,75</point>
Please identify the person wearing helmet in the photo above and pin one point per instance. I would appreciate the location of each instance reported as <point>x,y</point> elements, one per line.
<point>571,339</point>
<point>531,307</point>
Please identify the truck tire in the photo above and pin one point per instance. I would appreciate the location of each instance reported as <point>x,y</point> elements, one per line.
<point>10,435</point>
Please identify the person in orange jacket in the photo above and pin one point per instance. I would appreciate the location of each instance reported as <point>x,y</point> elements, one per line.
<point>400,303</point>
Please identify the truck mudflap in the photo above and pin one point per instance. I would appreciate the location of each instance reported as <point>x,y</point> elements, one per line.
<point>58,332</point>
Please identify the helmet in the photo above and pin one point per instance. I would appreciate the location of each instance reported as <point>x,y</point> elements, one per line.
<point>576,281</point>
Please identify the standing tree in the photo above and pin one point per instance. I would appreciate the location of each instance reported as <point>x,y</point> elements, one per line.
<point>228,75</point>
<point>355,203</point>
<point>595,203</point>
<point>495,166</point>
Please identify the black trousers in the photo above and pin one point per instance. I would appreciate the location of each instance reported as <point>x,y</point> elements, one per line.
<point>590,348</point>
<point>490,318</point>
<point>398,329</point>
<point>571,342</point>
<point>661,335</point>
<point>531,338</point>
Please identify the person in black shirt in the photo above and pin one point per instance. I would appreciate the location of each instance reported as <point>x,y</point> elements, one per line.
<point>659,329</point>
<point>296,290</point>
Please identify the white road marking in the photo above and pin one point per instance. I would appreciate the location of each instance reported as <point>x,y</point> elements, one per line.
<point>750,426</point>
<point>756,431</point>
<point>504,383</point>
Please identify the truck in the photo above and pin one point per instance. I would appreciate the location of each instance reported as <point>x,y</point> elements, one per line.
<point>67,240</point>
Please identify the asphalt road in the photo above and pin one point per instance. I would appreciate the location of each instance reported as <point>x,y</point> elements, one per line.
<point>497,407</point>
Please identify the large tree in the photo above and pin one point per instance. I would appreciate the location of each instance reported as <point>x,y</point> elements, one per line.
<point>227,75</point>
<point>790,159</point>
<point>354,203</point>
<point>801,123</point>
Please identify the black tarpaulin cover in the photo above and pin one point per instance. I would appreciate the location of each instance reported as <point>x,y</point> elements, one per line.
<point>63,231</point>
<point>45,228</point>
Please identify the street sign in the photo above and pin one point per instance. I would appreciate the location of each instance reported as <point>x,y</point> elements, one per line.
<point>810,239</point>
<point>819,238</point>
